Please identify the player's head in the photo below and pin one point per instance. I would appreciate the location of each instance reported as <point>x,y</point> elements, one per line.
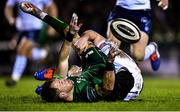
<point>57,90</point>
<point>125,82</point>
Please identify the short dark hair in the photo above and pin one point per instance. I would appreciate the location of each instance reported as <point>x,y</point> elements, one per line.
<point>49,94</point>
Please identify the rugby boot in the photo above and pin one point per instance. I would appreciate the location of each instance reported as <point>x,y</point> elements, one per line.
<point>44,74</point>
<point>29,8</point>
<point>39,90</point>
<point>11,83</point>
<point>155,58</point>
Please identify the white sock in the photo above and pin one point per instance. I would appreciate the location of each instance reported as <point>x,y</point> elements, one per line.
<point>42,15</point>
<point>38,53</point>
<point>149,50</point>
<point>19,67</point>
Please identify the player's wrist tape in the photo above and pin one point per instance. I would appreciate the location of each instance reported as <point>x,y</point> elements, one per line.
<point>109,66</point>
<point>69,36</point>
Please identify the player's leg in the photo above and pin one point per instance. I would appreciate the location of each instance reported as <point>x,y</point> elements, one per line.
<point>150,51</point>
<point>33,51</point>
<point>141,51</point>
<point>58,25</point>
<point>138,49</point>
<point>19,65</point>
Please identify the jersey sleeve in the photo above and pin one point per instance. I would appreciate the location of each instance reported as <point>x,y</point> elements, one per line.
<point>95,64</point>
<point>93,56</point>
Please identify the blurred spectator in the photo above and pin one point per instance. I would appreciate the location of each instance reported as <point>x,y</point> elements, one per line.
<point>28,30</point>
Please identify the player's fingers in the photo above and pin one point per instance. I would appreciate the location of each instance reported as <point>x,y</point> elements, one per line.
<point>163,5</point>
<point>80,24</point>
<point>166,7</point>
<point>76,20</point>
<point>72,18</point>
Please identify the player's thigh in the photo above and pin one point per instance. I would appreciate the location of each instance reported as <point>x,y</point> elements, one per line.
<point>25,46</point>
<point>28,47</point>
<point>138,49</point>
<point>21,45</point>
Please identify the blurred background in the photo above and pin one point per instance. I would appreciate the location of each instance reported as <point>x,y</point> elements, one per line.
<point>93,14</point>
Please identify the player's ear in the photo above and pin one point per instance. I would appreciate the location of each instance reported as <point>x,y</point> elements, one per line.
<point>63,95</point>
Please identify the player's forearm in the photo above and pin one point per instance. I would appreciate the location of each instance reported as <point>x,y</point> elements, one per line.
<point>64,57</point>
<point>93,36</point>
<point>64,54</point>
<point>108,81</point>
<point>109,77</point>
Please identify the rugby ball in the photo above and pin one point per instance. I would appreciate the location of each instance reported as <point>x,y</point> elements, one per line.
<point>125,30</point>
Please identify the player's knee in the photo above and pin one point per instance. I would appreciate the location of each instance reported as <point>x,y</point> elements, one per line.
<point>138,56</point>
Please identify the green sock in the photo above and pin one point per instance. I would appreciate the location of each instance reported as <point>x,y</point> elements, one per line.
<point>57,24</point>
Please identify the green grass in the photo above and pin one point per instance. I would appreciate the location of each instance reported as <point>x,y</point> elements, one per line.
<point>158,94</point>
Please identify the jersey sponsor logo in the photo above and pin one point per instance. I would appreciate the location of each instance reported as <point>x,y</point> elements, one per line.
<point>79,79</point>
<point>89,53</point>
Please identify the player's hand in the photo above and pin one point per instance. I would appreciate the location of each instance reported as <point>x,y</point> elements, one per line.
<point>82,44</point>
<point>74,71</point>
<point>74,27</point>
<point>113,53</point>
<point>163,4</point>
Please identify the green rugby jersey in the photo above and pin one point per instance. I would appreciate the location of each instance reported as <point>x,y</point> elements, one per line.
<point>91,76</point>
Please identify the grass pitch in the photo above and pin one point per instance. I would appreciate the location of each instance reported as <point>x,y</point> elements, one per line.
<point>158,94</point>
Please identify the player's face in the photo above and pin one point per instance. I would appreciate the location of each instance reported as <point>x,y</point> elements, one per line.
<point>63,85</point>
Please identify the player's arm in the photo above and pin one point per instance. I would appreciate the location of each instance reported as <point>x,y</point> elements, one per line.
<point>8,12</point>
<point>108,81</point>
<point>109,75</point>
<point>99,68</point>
<point>60,26</point>
<point>66,47</point>
<point>89,35</point>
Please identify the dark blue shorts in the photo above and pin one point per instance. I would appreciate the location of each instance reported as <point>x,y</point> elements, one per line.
<point>32,35</point>
<point>142,18</point>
